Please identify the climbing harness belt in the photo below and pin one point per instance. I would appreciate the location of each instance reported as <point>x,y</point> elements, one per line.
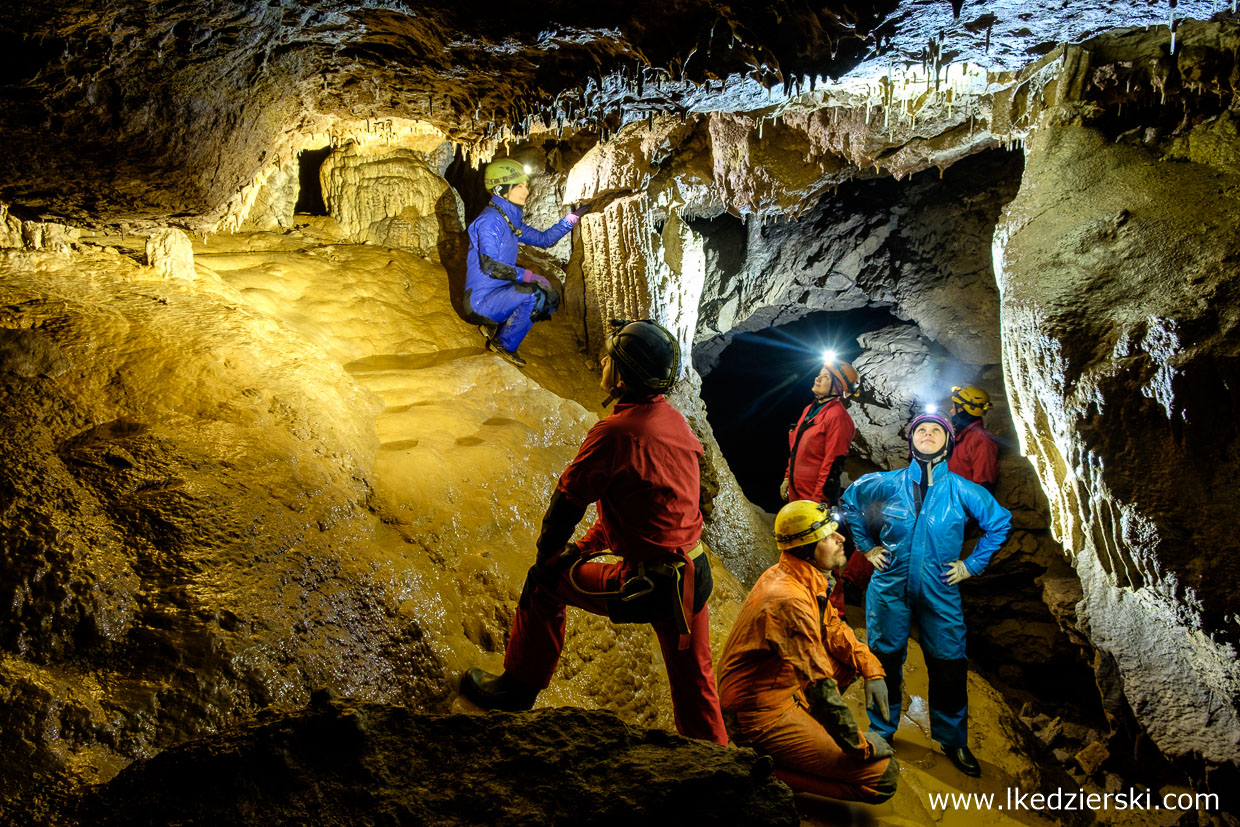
<point>639,584</point>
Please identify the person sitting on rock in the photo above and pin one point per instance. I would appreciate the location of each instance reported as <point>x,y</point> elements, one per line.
<point>640,465</point>
<point>506,298</point>
<point>786,662</point>
<point>919,514</point>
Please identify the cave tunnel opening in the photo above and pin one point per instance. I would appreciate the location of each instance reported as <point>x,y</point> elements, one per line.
<point>309,187</point>
<point>760,382</point>
<point>468,180</point>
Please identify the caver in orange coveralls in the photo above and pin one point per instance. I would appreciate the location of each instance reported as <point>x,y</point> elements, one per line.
<point>784,641</point>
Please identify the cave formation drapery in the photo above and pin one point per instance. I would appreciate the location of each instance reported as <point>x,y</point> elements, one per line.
<point>254,452</point>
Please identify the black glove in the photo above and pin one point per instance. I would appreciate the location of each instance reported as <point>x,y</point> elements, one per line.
<point>557,526</point>
<point>828,708</point>
<point>546,572</point>
<point>582,210</point>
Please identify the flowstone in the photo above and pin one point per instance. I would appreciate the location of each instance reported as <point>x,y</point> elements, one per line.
<point>1119,324</point>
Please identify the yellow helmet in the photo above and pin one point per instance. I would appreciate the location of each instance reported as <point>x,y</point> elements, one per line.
<point>504,172</point>
<point>802,522</point>
<point>975,401</point>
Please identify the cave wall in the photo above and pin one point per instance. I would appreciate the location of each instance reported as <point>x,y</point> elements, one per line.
<point>1116,271</point>
<point>188,535</point>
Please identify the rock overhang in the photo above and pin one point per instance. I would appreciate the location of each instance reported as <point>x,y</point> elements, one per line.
<point>167,111</point>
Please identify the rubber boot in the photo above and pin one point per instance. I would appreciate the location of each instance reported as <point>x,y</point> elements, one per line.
<point>963,759</point>
<point>497,691</point>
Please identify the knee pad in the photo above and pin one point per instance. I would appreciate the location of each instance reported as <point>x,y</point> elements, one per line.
<point>886,785</point>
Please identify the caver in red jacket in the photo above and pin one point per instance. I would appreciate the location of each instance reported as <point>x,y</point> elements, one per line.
<point>640,464</point>
<point>976,456</point>
<point>817,447</point>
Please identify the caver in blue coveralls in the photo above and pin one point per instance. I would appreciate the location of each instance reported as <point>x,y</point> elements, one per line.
<point>493,283</point>
<point>921,543</point>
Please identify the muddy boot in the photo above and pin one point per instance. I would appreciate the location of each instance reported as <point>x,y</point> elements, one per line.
<point>507,355</point>
<point>964,760</point>
<point>488,332</point>
<point>497,691</point>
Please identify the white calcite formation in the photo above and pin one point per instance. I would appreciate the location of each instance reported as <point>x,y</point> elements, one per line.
<point>393,198</point>
<point>634,270</point>
<point>171,253</point>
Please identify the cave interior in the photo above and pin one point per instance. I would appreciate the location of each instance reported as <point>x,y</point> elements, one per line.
<point>266,495</point>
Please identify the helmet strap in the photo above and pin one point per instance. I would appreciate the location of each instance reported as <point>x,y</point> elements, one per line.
<point>930,461</point>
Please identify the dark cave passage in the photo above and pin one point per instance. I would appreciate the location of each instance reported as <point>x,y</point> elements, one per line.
<point>760,383</point>
<point>309,187</point>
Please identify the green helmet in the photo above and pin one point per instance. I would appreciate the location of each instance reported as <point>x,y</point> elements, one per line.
<point>504,172</point>
<point>646,354</point>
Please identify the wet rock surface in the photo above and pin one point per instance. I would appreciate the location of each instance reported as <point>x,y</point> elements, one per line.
<point>187,530</point>
<point>346,763</point>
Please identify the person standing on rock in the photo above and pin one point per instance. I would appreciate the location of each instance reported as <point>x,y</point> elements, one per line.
<point>919,514</point>
<point>976,456</point>
<point>640,465</point>
<point>787,660</point>
<point>508,299</point>
<point>818,446</point>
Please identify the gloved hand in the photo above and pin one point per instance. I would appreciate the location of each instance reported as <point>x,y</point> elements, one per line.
<point>572,218</point>
<point>783,490</point>
<point>530,277</point>
<point>878,558</point>
<point>955,573</point>
<point>882,749</point>
<point>876,699</point>
<point>560,560</point>
<point>827,708</point>
<point>582,210</point>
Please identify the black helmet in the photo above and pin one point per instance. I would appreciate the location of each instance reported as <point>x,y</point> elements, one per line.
<point>646,354</point>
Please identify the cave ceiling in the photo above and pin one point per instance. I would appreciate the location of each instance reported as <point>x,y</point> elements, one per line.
<point>165,109</point>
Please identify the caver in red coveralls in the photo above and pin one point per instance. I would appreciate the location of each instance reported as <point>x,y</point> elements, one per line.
<point>785,640</point>
<point>976,456</point>
<point>817,448</point>
<point>640,464</point>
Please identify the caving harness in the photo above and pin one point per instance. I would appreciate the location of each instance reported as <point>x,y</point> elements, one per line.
<point>653,590</point>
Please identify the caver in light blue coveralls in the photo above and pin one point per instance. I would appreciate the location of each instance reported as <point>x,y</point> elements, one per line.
<point>921,542</point>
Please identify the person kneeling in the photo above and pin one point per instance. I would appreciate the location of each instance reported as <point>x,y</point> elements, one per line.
<point>786,662</point>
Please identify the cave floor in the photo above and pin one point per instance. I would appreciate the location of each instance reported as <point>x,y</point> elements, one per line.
<point>454,422</point>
